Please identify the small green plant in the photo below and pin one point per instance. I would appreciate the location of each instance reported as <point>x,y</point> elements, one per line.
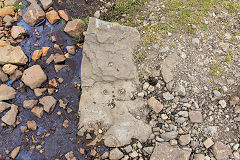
<point>173,44</point>
<point>216,69</point>
<point>139,57</point>
<point>228,59</point>
<point>78,40</point>
<point>18,7</point>
<point>63,22</point>
<point>232,7</point>
<point>86,20</point>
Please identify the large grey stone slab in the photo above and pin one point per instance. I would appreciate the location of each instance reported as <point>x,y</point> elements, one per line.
<point>109,78</point>
<point>107,52</point>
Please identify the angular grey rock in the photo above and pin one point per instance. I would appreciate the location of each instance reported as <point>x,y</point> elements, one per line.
<point>128,148</point>
<point>169,135</point>
<point>7,92</point>
<point>180,90</point>
<point>164,151</point>
<point>29,104</point>
<point>13,55</point>
<point>216,94</point>
<point>10,117</point>
<point>75,29</point>
<point>183,113</point>
<point>168,64</point>
<point>180,120</point>
<point>8,20</point>
<point>34,14</point>
<point>221,151</point>
<point>48,103</point>
<point>71,50</point>
<point>208,143</point>
<point>17,31</point>
<point>115,154</point>
<point>195,116</point>
<point>109,78</point>
<point>3,76</point>
<point>195,41</point>
<point>148,150</point>
<point>168,96</point>
<point>16,75</point>
<point>97,14</point>
<point>184,139</point>
<point>34,76</point>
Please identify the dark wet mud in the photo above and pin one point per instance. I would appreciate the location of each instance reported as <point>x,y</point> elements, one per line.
<point>78,8</point>
<point>59,140</point>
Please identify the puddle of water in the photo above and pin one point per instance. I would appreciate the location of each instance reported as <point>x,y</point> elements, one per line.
<point>61,140</point>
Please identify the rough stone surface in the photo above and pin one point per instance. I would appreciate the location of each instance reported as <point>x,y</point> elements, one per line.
<point>63,15</point>
<point>71,50</point>
<point>184,139</point>
<point>8,10</point>
<point>3,76</point>
<point>17,31</point>
<point>195,116</point>
<point>10,117</point>
<point>16,75</point>
<point>59,58</point>
<point>164,151</point>
<point>46,4</point>
<point>34,14</point>
<point>7,92</point>
<point>155,104</point>
<point>168,65</point>
<point>208,143</point>
<point>106,57</point>
<point>48,103</point>
<point>4,106</point>
<point>108,71</point>
<point>38,111</point>
<point>9,68</point>
<point>29,104</point>
<point>75,28</point>
<point>115,154</point>
<point>36,55</point>
<point>39,91</point>
<point>15,152</point>
<point>169,135</point>
<point>34,76</point>
<point>10,2</point>
<point>13,55</point>
<point>32,125</point>
<point>221,151</point>
<point>199,157</point>
<point>8,20</point>
<point>70,156</point>
<point>52,16</point>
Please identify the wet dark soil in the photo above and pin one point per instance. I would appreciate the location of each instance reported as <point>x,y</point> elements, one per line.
<point>61,140</point>
<point>79,8</point>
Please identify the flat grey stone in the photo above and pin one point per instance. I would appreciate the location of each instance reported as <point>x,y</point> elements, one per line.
<point>164,151</point>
